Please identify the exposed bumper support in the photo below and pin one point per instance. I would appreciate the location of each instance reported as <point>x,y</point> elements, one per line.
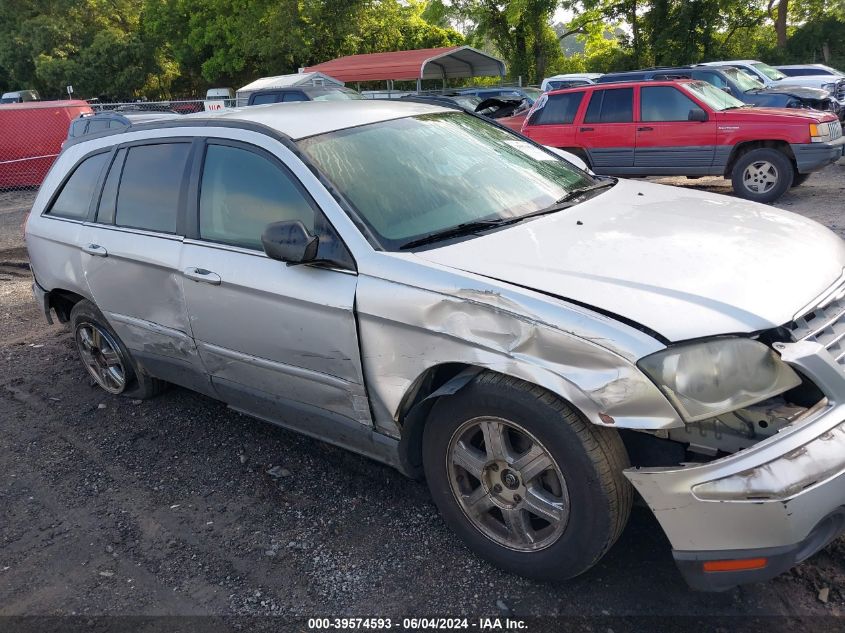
<point>814,156</point>
<point>772,500</point>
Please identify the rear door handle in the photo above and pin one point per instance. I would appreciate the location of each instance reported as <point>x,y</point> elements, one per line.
<point>96,250</point>
<point>586,129</point>
<point>203,276</point>
<point>645,129</point>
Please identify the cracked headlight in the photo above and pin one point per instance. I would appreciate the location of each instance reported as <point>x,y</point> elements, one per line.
<point>708,378</point>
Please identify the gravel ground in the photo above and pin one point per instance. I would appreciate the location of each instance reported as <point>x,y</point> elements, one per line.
<point>180,506</point>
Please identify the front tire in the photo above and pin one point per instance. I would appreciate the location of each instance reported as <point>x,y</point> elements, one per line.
<point>525,480</point>
<point>106,358</point>
<point>762,175</point>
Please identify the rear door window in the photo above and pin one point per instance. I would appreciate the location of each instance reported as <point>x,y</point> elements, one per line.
<point>75,198</point>
<point>558,110</point>
<point>295,96</point>
<point>152,180</point>
<point>614,105</point>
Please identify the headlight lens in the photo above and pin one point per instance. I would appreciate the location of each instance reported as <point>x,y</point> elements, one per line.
<point>828,87</point>
<point>708,378</point>
<point>819,132</point>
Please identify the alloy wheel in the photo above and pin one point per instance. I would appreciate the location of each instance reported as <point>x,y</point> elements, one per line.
<point>760,176</point>
<point>101,357</point>
<point>507,484</point>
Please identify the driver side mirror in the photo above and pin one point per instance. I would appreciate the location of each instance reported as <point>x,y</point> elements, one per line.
<point>289,242</point>
<point>727,89</point>
<point>697,114</point>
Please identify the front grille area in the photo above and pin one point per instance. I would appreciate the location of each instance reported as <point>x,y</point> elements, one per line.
<point>835,130</point>
<point>825,324</point>
<point>839,90</point>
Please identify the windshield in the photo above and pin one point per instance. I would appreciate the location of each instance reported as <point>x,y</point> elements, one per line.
<point>742,79</point>
<point>772,73</point>
<point>713,97</point>
<point>415,176</point>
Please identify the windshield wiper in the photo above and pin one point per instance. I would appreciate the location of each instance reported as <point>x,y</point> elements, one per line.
<point>458,230</point>
<point>466,228</point>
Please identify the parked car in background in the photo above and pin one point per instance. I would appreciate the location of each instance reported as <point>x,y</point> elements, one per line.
<point>528,93</point>
<point>31,138</point>
<point>491,107</point>
<point>569,80</point>
<point>20,96</point>
<point>215,95</point>
<point>305,93</point>
<point>739,84</point>
<point>687,128</point>
<point>92,123</point>
<point>807,70</point>
<point>296,80</point>
<point>437,293</point>
<point>771,76</point>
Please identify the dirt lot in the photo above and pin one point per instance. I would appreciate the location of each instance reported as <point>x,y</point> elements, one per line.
<point>109,506</point>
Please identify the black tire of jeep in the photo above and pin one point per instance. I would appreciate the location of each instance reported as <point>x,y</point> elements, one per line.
<point>139,384</point>
<point>773,157</point>
<point>799,179</point>
<point>590,458</point>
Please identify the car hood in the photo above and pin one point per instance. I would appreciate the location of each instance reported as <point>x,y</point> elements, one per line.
<point>787,116</point>
<point>793,91</point>
<point>683,263</point>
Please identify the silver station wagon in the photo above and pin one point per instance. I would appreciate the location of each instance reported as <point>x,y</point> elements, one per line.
<point>445,296</point>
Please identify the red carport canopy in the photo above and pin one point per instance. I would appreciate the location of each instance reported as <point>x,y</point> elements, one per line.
<point>425,63</point>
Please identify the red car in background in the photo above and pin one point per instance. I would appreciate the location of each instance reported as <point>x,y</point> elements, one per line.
<point>687,128</point>
<point>32,137</point>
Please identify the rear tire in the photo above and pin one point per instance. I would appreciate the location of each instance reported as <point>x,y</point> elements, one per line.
<point>762,175</point>
<point>106,358</point>
<point>525,480</point>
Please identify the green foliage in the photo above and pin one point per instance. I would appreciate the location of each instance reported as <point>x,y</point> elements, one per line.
<point>169,48</point>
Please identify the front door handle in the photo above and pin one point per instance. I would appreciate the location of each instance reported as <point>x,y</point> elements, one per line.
<point>586,129</point>
<point>645,129</point>
<point>203,276</point>
<point>96,250</point>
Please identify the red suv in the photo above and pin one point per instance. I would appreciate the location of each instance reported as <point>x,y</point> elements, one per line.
<point>687,128</point>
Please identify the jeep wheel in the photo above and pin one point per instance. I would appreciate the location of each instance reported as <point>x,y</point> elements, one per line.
<point>524,479</point>
<point>105,357</point>
<point>762,175</point>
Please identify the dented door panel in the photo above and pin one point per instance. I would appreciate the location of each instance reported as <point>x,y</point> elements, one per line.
<point>287,331</point>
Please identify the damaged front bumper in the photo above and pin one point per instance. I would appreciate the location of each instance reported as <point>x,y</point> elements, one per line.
<point>754,514</point>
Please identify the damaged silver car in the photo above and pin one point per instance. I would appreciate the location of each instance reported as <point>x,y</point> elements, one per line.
<point>440,294</point>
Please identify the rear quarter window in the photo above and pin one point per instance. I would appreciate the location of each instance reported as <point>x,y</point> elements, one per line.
<point>76,194</point>
<point>558,109</point>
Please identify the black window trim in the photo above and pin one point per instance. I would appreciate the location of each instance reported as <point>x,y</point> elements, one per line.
<point>192,216</point>
<point>48,208</point>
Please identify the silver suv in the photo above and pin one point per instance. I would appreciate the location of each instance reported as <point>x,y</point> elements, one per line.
<point>438,293</point>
